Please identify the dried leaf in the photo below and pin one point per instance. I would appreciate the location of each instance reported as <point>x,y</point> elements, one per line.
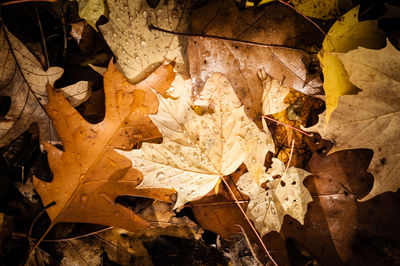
<point>285,195</point>
<point>88,174</point>
<point>325,9</point>
<point>273,95</point>
<point>138,49</point>
<point>92,10</point>
<point>24,81</point>
<point>239,62</point>
<point>197,150</point>
<point>346,34</point>
<point>370,119</point>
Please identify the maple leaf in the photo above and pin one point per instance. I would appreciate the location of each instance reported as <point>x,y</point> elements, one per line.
<point>89,174</point>
<point>273,95</point>
<point>138,49</point>
<point>239,61</point>
<point>197,150</point>
<point>346,34</point>
<point>370,118</point>
<point>285,195</point>
<point>24,81</point>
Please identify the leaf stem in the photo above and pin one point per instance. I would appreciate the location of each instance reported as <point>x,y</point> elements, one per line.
<point>206,36</point>
<point>286,125</point>
<point>248,220</point>
<point>304,16</point>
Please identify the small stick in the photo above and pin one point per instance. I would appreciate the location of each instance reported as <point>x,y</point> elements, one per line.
<point>206,36</point>
<point>51,204</point>
<point>248,220</point>
<point>286,125</point>
<point>43,39</point>
<point>25,1</point>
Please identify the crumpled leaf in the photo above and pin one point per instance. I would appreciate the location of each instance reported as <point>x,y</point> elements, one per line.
<point>326,9</point>
<point>346,34</point>
<point>197,150</point>
<point>89,175</point>
<point>92,10</point>
<point>286,194</point>
<point>370,119</point>
<point>239,62</point>
<point>24,81</point>
<point>138,49</point>
<point>273,95</point>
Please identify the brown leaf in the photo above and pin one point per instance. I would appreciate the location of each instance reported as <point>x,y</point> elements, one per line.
<point>24,81</point>
<point>89,174</point>
<point>240,62</point>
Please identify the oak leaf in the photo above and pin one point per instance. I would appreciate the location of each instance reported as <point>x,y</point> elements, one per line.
<point>24,81</point>
<point>346,34</point>
<point>370,119</point>
<point>89,174</point>
<point>286,194</point>
<point>138,49</point>
<point>197,150</point>
<point>239,61</point>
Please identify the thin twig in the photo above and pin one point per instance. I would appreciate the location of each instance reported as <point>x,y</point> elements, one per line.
<point>63,239</point>
<point>290,158</point>
<point>24,1</point>
<point>216,203</point>
<point>248,220</point>
<point>304,16</point>
<point>286,125</point>
<point>206,36</point>
<point>51,204</point>
<point>46,56</point>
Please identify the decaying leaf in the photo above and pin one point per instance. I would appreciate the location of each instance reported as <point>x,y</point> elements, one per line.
<point>138,49</point>
<point>89,174</point>
<point>370,119</point>
<point>197,150</point>
<point>285,194</point>
<point>92,10</point>
<point>273,95</point>
<point>346,34</point>
<point>239,61</point>
<point>323,9</point>
<point>24,81</point>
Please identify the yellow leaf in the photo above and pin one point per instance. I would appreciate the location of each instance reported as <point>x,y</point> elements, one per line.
<point>92,10</point>
<point>346,34</point>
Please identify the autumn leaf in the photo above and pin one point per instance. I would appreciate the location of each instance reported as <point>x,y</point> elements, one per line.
<point>239,61</point>
<point>370,119</point>
<point>285,194</point>
<point>273,94</point>
<point>346,34</point>
<point>24,81</point>
<point>138,49</point>
<point>324,9</point>
<point>89,174</point>
<point>92,10</point>
<point>197,150</point>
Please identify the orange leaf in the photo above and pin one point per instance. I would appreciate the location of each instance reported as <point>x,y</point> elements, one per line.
<point>89,174</point>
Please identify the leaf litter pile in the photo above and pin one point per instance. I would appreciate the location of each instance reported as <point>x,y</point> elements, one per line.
<point>199,132</point>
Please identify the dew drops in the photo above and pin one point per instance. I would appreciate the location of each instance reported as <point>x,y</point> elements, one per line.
<point>203,124</point>
<point>143,43</point>
<point>192,192</point>
<point>58,189</point>
<point>258,141</point>
<point>181,189</point>
<point>84,200</point>
<point>226,83</point>
<point>115,35</point>
<point>43,185</point>
<point>253,160</point>
<point>274,99</point>
<point>82,177</point>
<point>160,175</point>
<point>131,35</point>
<point>222,97</point>
<point>228,112</point>
<point>215,130</point>
<point>142,166</point>
<point>248,131</point>
<point>116,214</point>
<point>145,14</point>
<point>153,158</point>
<point>182,158</point>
